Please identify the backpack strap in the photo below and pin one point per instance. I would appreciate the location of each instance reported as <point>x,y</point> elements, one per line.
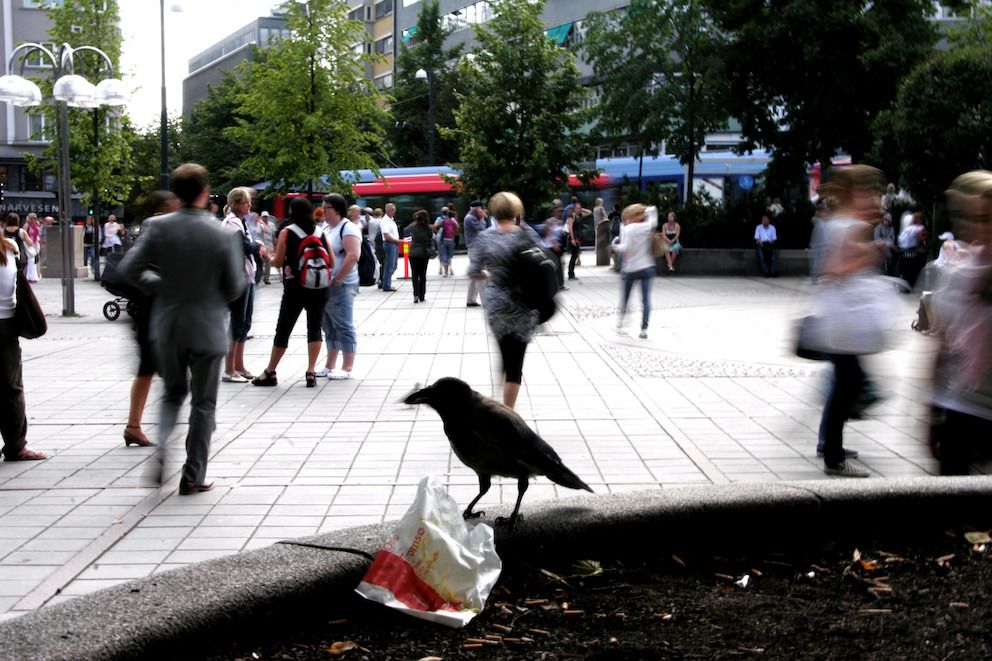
<point>297,230</point>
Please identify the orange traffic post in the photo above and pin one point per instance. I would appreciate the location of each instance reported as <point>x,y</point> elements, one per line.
<point>406,259</point>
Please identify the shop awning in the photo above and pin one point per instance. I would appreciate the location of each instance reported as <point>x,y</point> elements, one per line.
<point>559,34</point>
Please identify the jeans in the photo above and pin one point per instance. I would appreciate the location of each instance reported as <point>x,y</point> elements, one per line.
<point>241,310</point>
<point>766,259</point>
<point>447,251</point>
<point>846,387</point>
<point>573,252</point>
<point>339,313</point>
<point>390,251</point>
<point>89,254</point>
<point>646,276</point>
<point>13,421</point>
<point>418,268</point>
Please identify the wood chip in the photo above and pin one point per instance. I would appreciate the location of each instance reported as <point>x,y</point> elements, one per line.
<point>945,560</point>
<point>664,617</point>
<point>340,647</point>
<point>959,604</point>
<point>573,613</point>
<point>539,632</point>
<point>502,627</point>
<point>876,611</point>
<point>879,590</point>
<point>335,623</point>
<point>535,602</point>
<point>473,646</point>
<point>752,650</point>
<point>679,561</point>
<point>475,640</point>
<point>756,572</point>
<point>726,577</point>
<point>613,641</point>
<point>492,636</point>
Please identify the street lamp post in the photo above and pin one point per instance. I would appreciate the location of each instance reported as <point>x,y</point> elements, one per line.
<point>164,121</point>
<point>69,89</point>
<point>429,76</point>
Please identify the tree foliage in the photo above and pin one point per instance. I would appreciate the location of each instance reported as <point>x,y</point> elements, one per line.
<point>807,78</point>
<point>99,146</point>
<point>661,73</point>
<point>306,109</point>
<point>146,153</point>
<point>519,109</point>
<point>941,124</point>
<point>408,132</point>
<point>206,140</point>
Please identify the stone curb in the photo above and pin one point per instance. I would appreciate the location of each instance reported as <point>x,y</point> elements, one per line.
<point>176,613</point>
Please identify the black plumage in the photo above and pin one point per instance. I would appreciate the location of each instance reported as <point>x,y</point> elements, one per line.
<point>492,439</point>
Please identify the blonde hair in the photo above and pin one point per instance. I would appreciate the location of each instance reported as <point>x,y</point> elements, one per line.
<point>354,207</point>
<point>967,200</point>
<point>634,210</point>
<point>505,206</point>
<point>238,195</point>
<point>377,213</point>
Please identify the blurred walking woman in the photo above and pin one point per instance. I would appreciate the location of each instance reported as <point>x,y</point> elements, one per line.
<point>638,263</point>
<point>13,421</point>
<point>856,194</point>
<point>494,253</point>
<point>421,238</point>
<point>13,232</point>
<point>295,297</point>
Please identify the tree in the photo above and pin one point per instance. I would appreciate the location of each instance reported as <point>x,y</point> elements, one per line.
<point>98,144</point>
<point>659,68</point>
<point>207,141</point>
<point>807,78</point>
<point>306,109</point>
<point>941,123</point>
<point>519,109</point>
<point>408,132</point>
<point>146,153</point>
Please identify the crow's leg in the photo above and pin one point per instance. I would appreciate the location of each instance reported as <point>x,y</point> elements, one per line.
<point>522,485</point>
<point>485,482</point>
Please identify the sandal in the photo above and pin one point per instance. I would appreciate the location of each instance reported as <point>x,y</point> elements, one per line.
<point>266,378</point>
<point>311,379</point>
<point>245,374</point>
<point>139,439</point>
<point>27,455</point>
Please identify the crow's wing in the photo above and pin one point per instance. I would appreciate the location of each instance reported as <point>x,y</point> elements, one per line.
<point>493,439</point>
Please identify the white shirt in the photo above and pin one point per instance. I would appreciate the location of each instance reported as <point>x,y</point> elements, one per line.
<point>337,245</point>
<point>388,226</point>
<point>763,234</point>
<point>636,242</point>
<point>8,284</point>
<point>233,223</point>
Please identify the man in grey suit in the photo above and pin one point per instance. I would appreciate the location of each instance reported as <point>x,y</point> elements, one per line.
<point>194,268</point>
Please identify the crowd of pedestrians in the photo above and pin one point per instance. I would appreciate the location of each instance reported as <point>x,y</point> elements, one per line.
<point>197,272</point>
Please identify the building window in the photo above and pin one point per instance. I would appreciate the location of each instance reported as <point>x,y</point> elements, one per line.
<point>409,33</point>
<point>42,4</point>
<point>384,82</point>
<point>383,9</point>
<point>35,59</point>
<point>384,45</point>
<point>39,128</point>
<point>357,14</point>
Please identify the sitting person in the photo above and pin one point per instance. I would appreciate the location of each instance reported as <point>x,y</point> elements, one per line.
<point>765,237</point>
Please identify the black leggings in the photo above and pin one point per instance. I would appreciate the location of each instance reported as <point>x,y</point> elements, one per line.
<point>418,266</point>
<point>512,349</point>
<point>295,299</point>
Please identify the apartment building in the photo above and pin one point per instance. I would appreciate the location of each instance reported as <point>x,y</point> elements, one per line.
<point>24,130</point>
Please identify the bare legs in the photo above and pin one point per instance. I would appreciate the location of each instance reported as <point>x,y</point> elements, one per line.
<point>347,362</point>
<point>139,396</point>
<point>234,362</point>
<point>510,392</point>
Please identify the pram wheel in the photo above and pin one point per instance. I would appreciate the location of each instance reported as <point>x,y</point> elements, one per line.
<point>111,310</point>
<point>131,309</point>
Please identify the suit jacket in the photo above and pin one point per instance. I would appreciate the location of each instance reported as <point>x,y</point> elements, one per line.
<point>194,267</point>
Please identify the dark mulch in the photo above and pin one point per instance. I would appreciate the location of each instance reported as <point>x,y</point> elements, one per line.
<point>925,599</point>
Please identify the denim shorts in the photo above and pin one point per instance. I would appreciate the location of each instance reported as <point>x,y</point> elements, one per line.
<point>339,324</point>
<point>241,311</point>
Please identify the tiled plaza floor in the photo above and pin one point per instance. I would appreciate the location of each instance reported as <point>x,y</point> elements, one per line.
<point>712,396</point>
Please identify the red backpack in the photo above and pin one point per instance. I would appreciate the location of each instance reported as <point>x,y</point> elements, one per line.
<point>314,265</point>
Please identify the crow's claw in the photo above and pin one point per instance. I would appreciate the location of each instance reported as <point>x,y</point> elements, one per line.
<point>472,515</point>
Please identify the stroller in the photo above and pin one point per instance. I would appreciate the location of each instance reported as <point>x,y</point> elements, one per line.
<point>127,296</point>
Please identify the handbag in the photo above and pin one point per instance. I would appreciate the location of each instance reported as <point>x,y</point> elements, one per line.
<point>29,318</point>
<point>808,338</point>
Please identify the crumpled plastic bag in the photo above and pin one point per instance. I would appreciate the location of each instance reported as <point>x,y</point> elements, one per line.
<point>434,566</point>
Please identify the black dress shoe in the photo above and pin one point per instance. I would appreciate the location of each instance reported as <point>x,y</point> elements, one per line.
<point>187,489</point>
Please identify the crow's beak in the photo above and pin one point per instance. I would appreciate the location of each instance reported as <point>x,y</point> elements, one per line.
<point>418,395</point>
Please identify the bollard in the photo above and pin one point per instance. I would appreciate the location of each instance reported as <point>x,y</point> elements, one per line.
<point>406,258</point>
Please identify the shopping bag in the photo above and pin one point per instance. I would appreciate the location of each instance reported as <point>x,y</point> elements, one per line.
<point>434,566</point>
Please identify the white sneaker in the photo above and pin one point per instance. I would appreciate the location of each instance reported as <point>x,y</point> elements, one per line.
<point>643,334</point>
<point>233,378</point>
<point>339,375</point>
<point>323,372</point>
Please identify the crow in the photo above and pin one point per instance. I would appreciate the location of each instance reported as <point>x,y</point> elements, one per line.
<point>492,439</point>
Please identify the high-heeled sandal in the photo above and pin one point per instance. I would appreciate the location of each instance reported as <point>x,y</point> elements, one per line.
<point>131,438</point>
<point>311,379</point>
<point>266,378</point>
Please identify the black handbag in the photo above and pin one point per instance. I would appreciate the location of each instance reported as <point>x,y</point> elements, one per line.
<point>29,318</point>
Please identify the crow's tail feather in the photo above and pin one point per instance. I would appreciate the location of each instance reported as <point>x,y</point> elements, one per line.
<point>560,474</point>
